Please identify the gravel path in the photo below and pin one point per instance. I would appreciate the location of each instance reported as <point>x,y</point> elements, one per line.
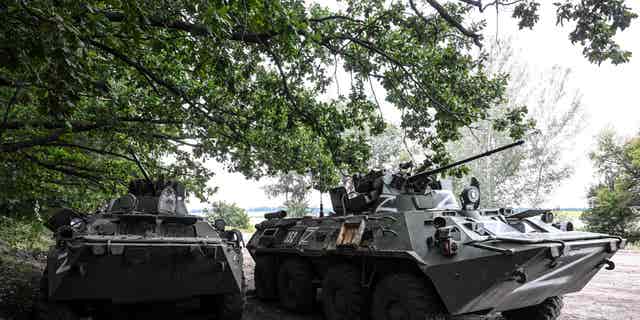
<point>611,295</point>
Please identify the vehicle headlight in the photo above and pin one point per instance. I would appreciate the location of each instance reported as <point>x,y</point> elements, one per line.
<point>547,217</point>
<point>470,197</point>
<point>78,225</point>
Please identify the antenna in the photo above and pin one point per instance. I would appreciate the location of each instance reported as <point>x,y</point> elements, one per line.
<point>144,172</point>
<point>321,208</point>
<point>321,214</point>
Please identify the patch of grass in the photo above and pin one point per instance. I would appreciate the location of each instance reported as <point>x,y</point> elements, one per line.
<point>635,246</point>
<point>250,229</point>
<point>19,287</point>
<point>19,270</point>
<point>25,234</point>
<point>563,216</point>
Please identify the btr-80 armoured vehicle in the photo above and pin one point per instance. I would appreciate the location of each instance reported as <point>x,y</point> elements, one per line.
<point>142,255</point>
<point>397,247</point>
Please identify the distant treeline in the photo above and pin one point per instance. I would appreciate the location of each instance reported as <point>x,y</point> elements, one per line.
<point>260,210</point>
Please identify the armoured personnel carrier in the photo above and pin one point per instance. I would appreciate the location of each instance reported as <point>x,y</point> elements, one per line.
<point>398,247</point>
<point>142,255</point>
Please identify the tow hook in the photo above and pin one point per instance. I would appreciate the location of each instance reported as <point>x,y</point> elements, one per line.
<point>519,276</point>
<point>609,264</point>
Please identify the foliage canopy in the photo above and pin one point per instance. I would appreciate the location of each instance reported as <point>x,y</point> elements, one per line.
<point>233,215</point>
<point>616,200</point>
<point>241,82</point>
<point>296,189</point>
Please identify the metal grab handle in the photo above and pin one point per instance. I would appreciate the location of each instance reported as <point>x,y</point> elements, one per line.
<point>388,230</point>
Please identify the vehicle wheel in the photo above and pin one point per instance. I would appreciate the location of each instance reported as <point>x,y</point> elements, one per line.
<point>110,312</point>
<point>342,296</point>
<point>230,306</point>
<point>48,310</point>
<point>265,275</point>
<point>405,297</point>
<point>549,309</point>
<point>295,287</point>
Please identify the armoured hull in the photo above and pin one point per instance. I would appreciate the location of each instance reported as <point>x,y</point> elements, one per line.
<point>500,282</point>
<point>486,274</point>
<point>401,245</point>
<point>130,269</point>
<point>142,253</point>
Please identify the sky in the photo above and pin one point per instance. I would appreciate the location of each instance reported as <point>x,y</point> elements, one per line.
<point>610,95</point>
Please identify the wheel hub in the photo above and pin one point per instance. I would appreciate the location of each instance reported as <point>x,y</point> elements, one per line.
<point>396,310</point>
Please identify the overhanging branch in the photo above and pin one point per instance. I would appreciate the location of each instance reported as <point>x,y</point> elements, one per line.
<point>195,29</point>
<point>475,3</point>
<point>139,67</point>
<point>373,48</point>
<point>97,180</point>
<point>10,104</point>
<point>81,124</point>
<point>481,7</point>
<point>15,146</point>
<point>90,149</point>
<point>51,137</point>
<point>148,74</point>
<point>477,38</point>
<point>335,17</point>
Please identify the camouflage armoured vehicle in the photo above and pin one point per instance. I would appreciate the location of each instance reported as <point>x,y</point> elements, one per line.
<point>142,254</point>
<point>397,247</point>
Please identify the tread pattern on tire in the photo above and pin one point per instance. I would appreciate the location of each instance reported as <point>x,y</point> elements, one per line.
<point>46,310</point>
<point>265,274</point>
<point>230,306</point>
<point>301,274</point>
<point>347,278</point>
<point>419,300</point>
<point>549,309</point>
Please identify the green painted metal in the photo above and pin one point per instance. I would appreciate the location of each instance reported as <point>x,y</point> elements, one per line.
<point>141,248</point>
<point>479,261</point>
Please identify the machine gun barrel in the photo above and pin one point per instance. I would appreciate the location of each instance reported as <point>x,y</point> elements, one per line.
<point>421,175</point>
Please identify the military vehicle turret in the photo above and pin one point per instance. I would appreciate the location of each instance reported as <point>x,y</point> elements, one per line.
<point>142,255</point>
<point>398,247</point>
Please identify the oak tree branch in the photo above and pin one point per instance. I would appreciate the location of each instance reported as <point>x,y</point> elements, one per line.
<point>477,38</point>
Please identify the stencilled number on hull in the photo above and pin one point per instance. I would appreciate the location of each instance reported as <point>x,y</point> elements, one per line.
<point>291,236</point>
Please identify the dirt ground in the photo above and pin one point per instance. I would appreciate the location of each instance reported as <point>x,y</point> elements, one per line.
<point>611,295</point>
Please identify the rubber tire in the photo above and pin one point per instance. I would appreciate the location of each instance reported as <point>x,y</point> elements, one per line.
<point>549,309</point>
<point>230,306</point>
<point>265,277</point>
<point>295,285</point>
<point>342,294</point>
<point>410,296</point>
<point>47,310</point>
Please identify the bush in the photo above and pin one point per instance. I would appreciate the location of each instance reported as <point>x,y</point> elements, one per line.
<point>616,200</point>
<point>22,243</point>
<point>613,214</point>
<point>19,283</point>
<point>25,234</point>
<point>233,215</point>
